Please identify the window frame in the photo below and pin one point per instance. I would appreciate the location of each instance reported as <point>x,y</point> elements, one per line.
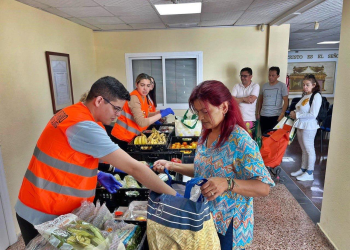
<point>129,57</point>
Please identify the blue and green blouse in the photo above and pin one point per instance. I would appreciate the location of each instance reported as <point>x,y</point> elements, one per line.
<point>238,158</point>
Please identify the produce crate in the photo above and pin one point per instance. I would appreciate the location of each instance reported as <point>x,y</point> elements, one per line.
<point>168,128</point>
<point>152,157</point>
<point>182,139</point>
<point>148,147</point>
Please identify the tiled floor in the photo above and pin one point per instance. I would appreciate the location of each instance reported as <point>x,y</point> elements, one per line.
<point>312,189</point>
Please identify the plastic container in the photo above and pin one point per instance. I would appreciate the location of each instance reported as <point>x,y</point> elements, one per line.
<point>183,139</point>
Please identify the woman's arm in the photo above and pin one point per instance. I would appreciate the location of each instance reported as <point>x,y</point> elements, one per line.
<point>150,114</point>
<point>135,107</point>
<point>185,169</point>
<point>215,186</point>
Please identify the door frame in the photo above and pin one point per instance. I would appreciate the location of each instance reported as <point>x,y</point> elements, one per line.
<point>5,199</point>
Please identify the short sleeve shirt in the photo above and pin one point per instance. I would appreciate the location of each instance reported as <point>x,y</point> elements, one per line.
<point>89,138</point>
<point>273,98</point>
<point>247,109</point>
<point>239,157</point>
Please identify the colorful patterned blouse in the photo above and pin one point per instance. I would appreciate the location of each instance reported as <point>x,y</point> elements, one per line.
<point>237,158</point>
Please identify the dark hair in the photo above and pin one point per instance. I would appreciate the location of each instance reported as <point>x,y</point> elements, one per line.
<point>216,93</point>
<point>274,68</point>
<point>109,88</point>
<point>141,77</point>
<point>313,80</point>
<point>152,93</point>
<point>249,70</point>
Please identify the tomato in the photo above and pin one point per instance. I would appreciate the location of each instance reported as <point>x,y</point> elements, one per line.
<point>176,160</point>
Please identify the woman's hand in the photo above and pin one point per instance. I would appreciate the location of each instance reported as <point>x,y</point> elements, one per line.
<point>292,114</point>
<point>214,187</point>
<point>160,165</point>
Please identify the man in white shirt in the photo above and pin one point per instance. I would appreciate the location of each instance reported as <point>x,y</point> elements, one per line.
<point>246,94</point>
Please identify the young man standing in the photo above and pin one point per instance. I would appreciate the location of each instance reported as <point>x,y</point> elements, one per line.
<point>273,101</point>
<point>246,94</point>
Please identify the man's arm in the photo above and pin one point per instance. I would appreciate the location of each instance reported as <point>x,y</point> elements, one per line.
<point>138,170</point>
<point>284,108</point>
<point>258,109</point>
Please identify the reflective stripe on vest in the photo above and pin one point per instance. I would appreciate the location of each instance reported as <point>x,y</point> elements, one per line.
<point>129,128</point>
<point>128,116</point>
<point>61,165</point>
<point>54,187</point>
<point>31,215</point>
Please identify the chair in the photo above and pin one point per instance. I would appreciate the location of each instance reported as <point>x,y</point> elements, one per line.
<point>292,105</point>
<point>326,127</point>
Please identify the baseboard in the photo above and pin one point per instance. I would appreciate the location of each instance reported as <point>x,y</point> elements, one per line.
<point>326,236</point>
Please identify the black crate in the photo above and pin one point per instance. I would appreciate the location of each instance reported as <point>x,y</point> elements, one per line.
<point>148,147</point>
<point>160,128</point>
<point>181,139</point>
<point>152,157</point>
<point>120,198</point>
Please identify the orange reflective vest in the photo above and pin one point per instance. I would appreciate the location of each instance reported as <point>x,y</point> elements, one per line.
<point>58,178</point>
<point>126,128</point>
<point>151,106</point>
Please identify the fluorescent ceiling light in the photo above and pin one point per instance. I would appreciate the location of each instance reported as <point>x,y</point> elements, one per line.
<point>329,42</point>
<point>178,9</point>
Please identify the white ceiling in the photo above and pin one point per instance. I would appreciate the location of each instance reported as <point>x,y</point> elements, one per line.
<point>114,15</point>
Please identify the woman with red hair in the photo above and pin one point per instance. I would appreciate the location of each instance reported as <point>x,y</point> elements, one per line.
<point>230,159</point>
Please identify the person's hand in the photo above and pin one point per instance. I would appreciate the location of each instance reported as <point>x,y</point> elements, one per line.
<point>258,116</point>
<point>280,117</point>
<point>292,114</point>
<point>160,165</point>
<point>109,182</point>
<point>166,112</point>
<point>214,187</point>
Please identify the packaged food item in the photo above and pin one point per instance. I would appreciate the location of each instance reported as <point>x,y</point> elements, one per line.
<point>130,182</point>
<point>68,232</point>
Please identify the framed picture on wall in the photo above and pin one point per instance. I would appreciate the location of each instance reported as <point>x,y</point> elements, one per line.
<point>323,71</point>
<point>60,79</point>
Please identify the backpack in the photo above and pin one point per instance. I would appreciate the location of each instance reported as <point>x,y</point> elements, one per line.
<point>322,114</point>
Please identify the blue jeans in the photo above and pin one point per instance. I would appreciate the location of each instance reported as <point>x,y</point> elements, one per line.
<point>226,241</point>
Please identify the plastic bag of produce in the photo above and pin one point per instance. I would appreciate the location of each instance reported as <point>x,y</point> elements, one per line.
<point>69,232</point>
<point>131,182</point>
<point>187,125</point>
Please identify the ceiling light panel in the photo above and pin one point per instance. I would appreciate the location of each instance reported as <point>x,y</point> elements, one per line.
<point>179,9</point>
<point>265,11</point>
<point>69,3</point>
<point>102,20</point>
<point>86,11</point>
<point>168,1</point>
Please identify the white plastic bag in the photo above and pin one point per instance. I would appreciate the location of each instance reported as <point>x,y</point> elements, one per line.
<point>187,125</point>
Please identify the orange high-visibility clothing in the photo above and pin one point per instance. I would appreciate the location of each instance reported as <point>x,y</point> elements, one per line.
<point>151,106</point>
<point>58,177</point>
<point>126,128</point>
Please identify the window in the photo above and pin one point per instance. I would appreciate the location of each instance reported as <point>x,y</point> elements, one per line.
<point>175,74</point>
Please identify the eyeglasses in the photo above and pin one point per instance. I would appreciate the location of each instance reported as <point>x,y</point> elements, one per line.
<point>116,108</point>
<point>244,76</point>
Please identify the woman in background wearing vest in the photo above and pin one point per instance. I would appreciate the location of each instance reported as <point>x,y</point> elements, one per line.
<point>306,123</point>
<point>136,116</point>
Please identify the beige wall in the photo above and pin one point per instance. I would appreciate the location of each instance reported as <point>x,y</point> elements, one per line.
<point>225,50</point>
<point>278,48</point>
<point>25,34</point>
<point>335,216</point>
